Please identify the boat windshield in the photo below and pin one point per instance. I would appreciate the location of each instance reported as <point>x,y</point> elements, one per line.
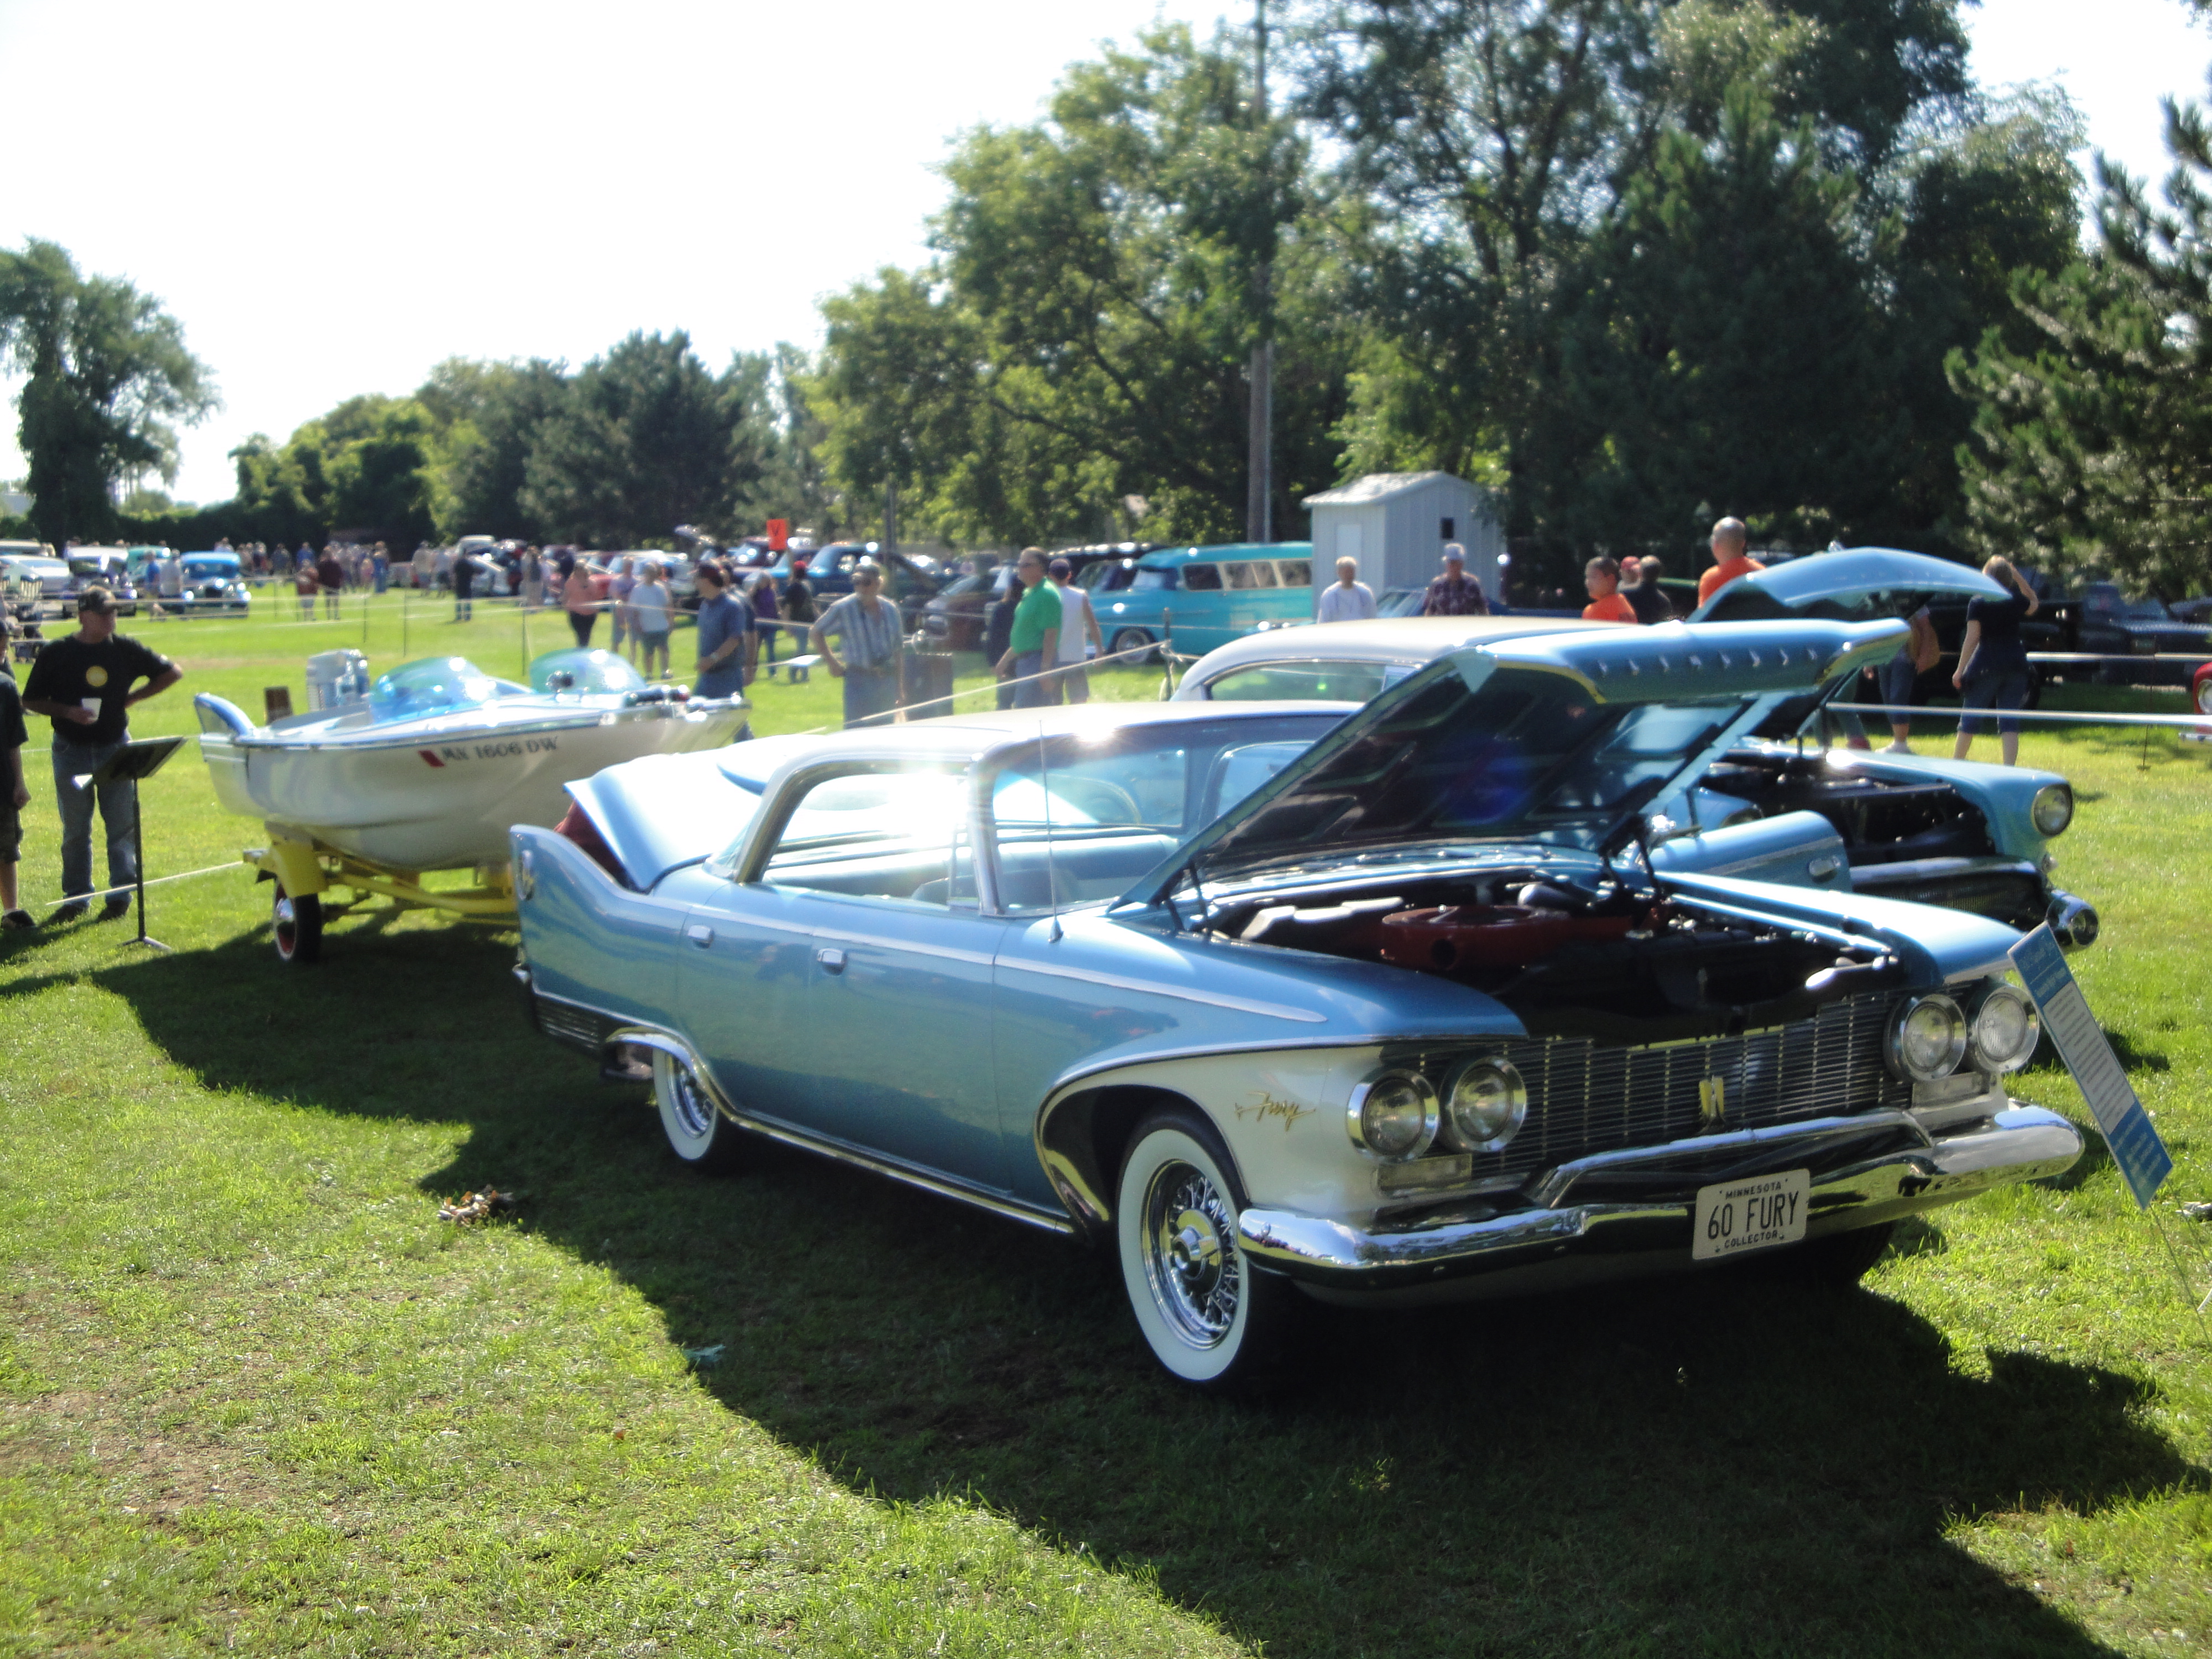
<point>587,671</point>
<point>433,685</point>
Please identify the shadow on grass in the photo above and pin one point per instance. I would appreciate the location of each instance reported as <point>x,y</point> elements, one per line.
<point>1728,1464</point>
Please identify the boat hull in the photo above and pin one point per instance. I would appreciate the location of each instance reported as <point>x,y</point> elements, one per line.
<point>441,794</point>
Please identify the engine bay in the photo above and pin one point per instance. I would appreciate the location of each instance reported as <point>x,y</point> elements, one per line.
<point>1881,820</point>
<point>1585,956</point>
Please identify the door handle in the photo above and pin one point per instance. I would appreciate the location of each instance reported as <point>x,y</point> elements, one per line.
<point>699,934</point>
<point>831,958</point>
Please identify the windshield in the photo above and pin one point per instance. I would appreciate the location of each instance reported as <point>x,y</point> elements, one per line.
<point>1531,754</point>
<point>2144,609</point>
<point>79,567</point>
<point>431,685</point>
<point>1091,813</point>
<point>202,570</point>
<point>587,671</point>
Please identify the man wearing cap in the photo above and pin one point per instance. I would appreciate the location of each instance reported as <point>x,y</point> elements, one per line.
<point>868,658</point>
<point>1455,593</point>
<point>84,683</point>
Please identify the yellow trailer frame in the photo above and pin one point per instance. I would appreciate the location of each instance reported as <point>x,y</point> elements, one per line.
<point>305,871</point>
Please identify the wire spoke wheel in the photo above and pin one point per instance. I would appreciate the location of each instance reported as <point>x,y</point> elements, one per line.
<point>1208,1316</point>
<point>1191,1262</point>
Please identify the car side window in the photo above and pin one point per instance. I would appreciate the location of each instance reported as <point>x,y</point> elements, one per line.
<point>1295,572</point>
<point>1242,576</point>
<point>1324,682</point>
<point>877,834</point>
<point>1202,578</point>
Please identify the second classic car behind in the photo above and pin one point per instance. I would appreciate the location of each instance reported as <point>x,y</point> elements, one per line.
<point>1278,1005</point>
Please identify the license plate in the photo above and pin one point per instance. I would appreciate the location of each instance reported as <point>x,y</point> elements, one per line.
<point>1750,1215</point>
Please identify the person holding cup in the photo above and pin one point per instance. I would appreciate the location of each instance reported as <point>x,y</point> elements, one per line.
<point>83,683</point>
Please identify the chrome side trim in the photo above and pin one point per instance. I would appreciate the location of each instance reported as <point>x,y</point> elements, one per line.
<point>1150,988</point>
<point>1913,870</point>
<point>668,1042</point>
<point>2024,1143</point>
<point>974,959</point>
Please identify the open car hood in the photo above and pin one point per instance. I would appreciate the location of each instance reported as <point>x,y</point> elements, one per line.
<point>1857,584</point>
<point>1560,739</point>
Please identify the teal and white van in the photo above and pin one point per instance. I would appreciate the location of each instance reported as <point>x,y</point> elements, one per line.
<point>1208,596</point>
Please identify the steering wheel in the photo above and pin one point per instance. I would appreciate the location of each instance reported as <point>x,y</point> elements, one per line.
<point>1121,806</point>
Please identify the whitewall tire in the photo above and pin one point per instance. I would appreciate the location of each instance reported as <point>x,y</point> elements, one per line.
<point>1207,1316</point>
<point>697,1133</point>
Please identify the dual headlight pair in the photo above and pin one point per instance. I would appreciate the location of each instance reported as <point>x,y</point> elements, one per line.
<point>1932,1035</point>
<point>1399,1115</point>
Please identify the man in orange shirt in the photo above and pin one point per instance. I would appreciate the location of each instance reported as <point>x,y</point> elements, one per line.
<point>1602,577</point>
<point>1729,562</point>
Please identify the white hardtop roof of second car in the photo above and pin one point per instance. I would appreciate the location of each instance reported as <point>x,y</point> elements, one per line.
<point>1382,639</point>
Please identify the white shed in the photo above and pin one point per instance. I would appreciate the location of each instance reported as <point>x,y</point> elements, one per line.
<point>1396,524</point>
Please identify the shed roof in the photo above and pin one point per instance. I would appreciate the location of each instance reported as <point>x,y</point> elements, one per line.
<point>1381,486</point>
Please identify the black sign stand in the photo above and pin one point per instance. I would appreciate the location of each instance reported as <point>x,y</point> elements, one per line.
<point>134,761</point>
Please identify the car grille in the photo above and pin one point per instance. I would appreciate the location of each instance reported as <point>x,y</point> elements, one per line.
<point>1588,1096</point>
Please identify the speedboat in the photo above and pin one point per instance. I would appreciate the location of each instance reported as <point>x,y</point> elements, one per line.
<point>432,766</point>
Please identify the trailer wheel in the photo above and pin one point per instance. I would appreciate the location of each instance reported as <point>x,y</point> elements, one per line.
<point>297,926</point>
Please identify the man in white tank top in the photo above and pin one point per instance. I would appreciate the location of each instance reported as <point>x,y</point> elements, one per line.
<point>1078,635</point>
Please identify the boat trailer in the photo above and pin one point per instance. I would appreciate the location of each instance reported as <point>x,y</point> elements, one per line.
<point>309,875</point>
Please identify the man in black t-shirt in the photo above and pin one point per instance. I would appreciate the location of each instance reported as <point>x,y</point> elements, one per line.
<point>83,683</point>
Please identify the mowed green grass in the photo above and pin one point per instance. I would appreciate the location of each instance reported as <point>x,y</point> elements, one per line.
<point>255,1397</point>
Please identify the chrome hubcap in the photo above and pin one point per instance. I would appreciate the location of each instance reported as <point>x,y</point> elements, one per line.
<point>1190,1260</point>
<point>287,918</point>
<point>693,1111</point>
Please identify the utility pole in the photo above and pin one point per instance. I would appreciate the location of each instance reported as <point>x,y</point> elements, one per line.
<point>1260,482</point>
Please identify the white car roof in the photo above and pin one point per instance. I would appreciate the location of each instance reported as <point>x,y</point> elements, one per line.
<point>1385,639</point>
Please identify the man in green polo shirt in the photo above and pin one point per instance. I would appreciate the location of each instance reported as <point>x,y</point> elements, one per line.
<point>1035,643</point>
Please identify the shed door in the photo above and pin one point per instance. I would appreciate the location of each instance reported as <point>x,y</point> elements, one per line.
<point>1347,541</point>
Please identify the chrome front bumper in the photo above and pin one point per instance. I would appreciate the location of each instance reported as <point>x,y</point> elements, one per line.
<point>1542,1243</point>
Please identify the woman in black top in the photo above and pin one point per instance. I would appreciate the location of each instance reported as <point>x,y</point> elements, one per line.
<point>1993,672</point>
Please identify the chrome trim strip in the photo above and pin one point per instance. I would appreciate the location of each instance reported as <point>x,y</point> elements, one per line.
<point>649,1036</point>
<point>2024,1143</point>
<point>976,958</point>
<point>1115,982</point>
<point>1556,1181</point>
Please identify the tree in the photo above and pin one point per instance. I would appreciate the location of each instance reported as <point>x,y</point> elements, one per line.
<point>490,415</point>
<point>646,439</point>
<point>106,375</point>
<point>1085,333</point>
<point>1643,263</point>
<point>2092,448</point>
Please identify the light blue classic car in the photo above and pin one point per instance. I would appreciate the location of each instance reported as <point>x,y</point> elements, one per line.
<point>1921,827</point>
<point>1280,1004</point>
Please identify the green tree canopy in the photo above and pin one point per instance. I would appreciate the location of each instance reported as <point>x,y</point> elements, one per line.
<point>1084,332</point>
<point>108,377</point>
<point>646,439</point>
<point>2091,448</point>
<point>1646,263</point>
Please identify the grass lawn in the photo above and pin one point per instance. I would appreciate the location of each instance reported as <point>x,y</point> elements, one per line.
<point>255,1397</point>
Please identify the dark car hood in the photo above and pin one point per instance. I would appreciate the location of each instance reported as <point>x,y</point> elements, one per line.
<point>1556,739</point>
<point>1853,584</point>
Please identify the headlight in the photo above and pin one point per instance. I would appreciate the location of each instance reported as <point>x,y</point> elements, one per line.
<point>1485,1107</point>
<point>1395,1116</point>
<point>2053,809</point>
<point>2003,1032</point>
<point>1928,1039</point>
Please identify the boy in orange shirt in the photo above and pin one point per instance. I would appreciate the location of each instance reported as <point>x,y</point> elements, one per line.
<point>1602,577</point>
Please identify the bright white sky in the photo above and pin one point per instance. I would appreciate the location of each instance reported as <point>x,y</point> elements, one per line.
<point>334,198</point>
